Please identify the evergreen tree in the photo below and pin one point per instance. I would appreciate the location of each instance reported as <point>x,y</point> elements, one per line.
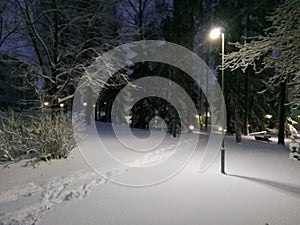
<point>242,19</point>
<point>181,29</point>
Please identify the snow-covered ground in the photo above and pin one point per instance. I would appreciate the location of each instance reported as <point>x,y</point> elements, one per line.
<point>262,186</point>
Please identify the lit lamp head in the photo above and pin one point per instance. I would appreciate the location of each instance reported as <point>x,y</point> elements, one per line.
<point>268,116</point>
<point>191,127</point>
<point>215,33</point>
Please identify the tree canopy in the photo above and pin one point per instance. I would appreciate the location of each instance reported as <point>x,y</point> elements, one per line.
<point>277,49</point>
<point>277,53</point>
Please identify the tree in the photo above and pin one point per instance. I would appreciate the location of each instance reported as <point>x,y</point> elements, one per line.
<point>62,38</point>
<point>141,19</point>
<point>180,28</point>
<point>8,21</point>
<point>241,19</point>
<point>276,50</point>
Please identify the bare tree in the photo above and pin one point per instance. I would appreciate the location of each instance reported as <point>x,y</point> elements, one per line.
<point>62,38</point>
<point>9,22</point>
<point>142,19</point>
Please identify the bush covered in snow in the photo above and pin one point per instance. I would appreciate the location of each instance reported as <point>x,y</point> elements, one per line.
<point>40,137</point>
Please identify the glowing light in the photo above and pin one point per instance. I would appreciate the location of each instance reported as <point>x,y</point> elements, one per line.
<point>61,105</point>
<point>215,33</point>
<point>268,116</point>
<point>84,104</point>
<point>46,103</point>
<point>191,127</point>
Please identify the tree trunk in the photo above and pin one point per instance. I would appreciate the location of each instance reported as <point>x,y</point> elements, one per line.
<point>89,106</point>
<point>238,132</point>
<point>206,116</point>
<point>55,108</point>
<point>54,69</point>
<point>174,123</point>
<point>246,128</point>
<point>282,112</point>
<point>183,30</point>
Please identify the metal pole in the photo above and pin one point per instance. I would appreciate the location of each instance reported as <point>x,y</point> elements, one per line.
<point>223,114</point>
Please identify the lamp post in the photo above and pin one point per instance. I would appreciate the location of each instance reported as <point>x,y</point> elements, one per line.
<point>215,34</point>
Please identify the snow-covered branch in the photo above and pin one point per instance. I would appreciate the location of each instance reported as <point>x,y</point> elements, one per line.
<point>278,49</point>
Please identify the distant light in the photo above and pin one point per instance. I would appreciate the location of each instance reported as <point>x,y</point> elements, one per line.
<point>191,127</point>
<point>61,105</point>
<point>268,116</point>
<point>215,33</point>
<point>94,106</point>
<point>220,129</point>
<point>46,103</point>
<point>84,104</point>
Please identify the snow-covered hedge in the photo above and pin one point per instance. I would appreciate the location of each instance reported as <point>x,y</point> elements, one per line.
<point>40,137</point>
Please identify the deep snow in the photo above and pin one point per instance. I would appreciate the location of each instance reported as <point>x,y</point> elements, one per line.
<point>262,187</point>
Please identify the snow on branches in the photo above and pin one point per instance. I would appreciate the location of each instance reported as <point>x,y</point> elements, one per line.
<point>278,49</point>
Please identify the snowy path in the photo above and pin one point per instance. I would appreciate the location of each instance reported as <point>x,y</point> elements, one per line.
<point>48,196</point>
<point>28,203</point>
<point>262,187</point>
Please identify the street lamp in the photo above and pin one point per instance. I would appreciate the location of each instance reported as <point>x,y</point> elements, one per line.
<point>268,116</point>
<point>214,34</point>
